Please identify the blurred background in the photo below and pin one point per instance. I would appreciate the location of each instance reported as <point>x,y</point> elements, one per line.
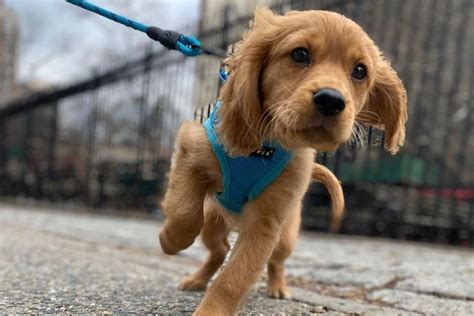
<point>89,110</point>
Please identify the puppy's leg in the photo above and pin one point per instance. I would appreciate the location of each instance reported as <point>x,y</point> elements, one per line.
<point>252,250</point>
<point>276,286</point>
<point>183,204</point>
<point>214,236</point>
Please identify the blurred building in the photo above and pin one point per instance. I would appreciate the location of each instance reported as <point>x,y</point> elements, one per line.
<point>8,52</point>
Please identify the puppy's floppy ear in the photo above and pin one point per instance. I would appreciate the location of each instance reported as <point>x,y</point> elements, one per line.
<point>386,106</point>
<point>241,97</point>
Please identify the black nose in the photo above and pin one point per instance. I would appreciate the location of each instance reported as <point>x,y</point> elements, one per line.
<point>329,102</point>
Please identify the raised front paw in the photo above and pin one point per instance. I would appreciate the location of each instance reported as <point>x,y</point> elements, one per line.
<point>168,247</point>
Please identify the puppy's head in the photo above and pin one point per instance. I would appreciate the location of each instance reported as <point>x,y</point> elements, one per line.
<point>303,79</point>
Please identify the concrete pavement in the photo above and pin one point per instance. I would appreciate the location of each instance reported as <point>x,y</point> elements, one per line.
<point>59,261</point>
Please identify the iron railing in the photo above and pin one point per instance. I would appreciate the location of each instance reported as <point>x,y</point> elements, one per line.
<point>107,141</point>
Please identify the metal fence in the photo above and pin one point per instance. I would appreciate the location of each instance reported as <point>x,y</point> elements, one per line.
<point>107,141</point>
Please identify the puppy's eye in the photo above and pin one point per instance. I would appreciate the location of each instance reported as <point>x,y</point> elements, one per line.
<point>359,72</point>
<point>300,55</point>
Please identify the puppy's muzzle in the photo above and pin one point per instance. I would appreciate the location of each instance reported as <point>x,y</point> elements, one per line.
<point>329,102</point>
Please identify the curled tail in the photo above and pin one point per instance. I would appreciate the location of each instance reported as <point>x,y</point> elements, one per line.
<point>326,177</point>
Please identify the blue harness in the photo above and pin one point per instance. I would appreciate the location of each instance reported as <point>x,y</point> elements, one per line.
<point>244,178</point>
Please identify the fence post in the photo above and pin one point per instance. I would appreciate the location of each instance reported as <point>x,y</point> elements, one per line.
<point>53,136</point>
<point>225,26</point>
<point>3,149</point>
<point>91,137</point>
<point>141,144</point>
<point>225,37</point>
<point>26,165</point>
<point>337,163</point>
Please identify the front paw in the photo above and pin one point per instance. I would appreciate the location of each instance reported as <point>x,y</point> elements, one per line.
<point>278,291</point>
<point>167,245</point>
<point>193,283</point>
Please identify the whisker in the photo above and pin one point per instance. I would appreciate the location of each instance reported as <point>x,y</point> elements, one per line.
<point>359,135</point>
<point>365,114</point>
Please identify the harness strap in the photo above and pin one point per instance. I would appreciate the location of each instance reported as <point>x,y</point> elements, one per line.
<point>245,178</point>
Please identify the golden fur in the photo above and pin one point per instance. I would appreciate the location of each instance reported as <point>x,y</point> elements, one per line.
<point>270,97</point>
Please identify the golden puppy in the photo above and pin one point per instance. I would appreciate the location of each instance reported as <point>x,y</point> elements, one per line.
<point>300,80</point>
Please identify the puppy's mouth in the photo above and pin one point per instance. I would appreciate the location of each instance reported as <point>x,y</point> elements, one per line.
<point>324,130</point>
<point>320,129</point>
<point>312,127</point>
<point>316,123</point>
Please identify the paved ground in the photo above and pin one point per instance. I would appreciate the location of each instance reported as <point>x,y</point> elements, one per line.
<point>52,262</point>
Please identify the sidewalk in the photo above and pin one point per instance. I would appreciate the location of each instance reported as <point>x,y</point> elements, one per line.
<point>56,262</point>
